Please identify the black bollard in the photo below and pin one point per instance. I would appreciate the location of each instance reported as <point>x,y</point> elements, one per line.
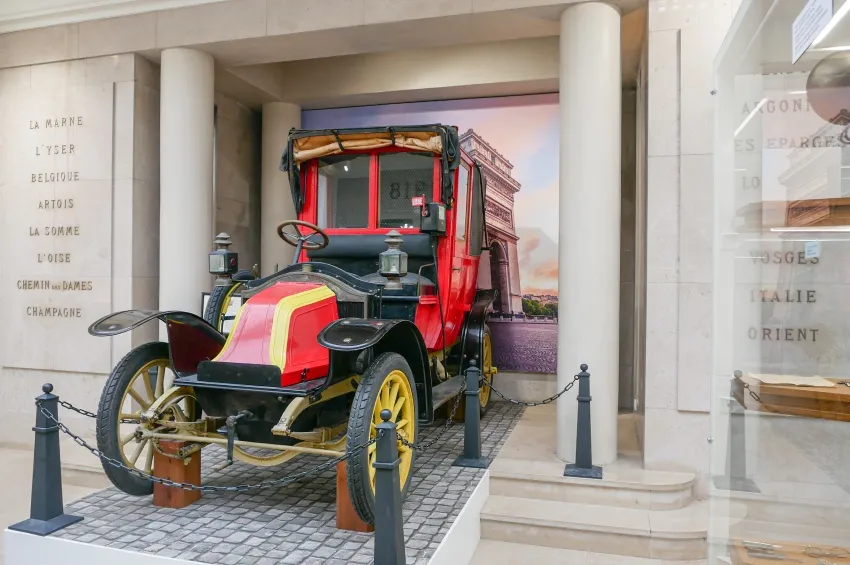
<point>583,467</point>
<point>736,448</point>
<point>471,456</point>
<point>389,535</point>
<point>47,513</point>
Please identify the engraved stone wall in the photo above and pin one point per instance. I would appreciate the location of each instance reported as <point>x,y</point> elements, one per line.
<point>57,224</point>
<point>79,202</point>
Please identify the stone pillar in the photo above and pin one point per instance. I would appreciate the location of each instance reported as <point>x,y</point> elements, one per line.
<point>277,207</point>
<point>186,178</point>
<point>589,242</point>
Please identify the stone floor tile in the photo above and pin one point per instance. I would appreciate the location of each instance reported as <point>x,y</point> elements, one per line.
<point>292,524</point>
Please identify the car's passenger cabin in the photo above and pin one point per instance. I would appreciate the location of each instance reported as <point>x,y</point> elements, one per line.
<point>358,185</point>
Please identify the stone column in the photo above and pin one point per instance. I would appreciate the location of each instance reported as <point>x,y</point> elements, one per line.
<point>277,207</point>
<point>589,242</point>
<point>186,178</point>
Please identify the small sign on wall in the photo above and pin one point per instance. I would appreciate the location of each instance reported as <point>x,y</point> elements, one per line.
<point>812,249</point>
<point>813,18</point>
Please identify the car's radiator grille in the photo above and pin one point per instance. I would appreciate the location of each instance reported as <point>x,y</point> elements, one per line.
<point>350,309</point>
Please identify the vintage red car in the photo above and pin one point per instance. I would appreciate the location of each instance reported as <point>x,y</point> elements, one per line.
<point>380,309</point>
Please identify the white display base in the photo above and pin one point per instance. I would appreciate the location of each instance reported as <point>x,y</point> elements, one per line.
<point>458,547</point>
<point>26,549</point>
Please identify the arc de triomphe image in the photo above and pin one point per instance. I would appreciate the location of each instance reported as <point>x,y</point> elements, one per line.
<point>499,212</point>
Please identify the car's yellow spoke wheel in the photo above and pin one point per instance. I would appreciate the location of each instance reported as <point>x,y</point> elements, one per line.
<point>386,385</point>
<point>143,376</point>
<point>396,396</point>
<point>487,371</point>
<point>145,386</point>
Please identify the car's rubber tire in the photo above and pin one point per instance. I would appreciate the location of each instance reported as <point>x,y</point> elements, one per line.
<point>486,357</point>
<point>218,304</point>
<point>109,409</point>
<point>359,431</point>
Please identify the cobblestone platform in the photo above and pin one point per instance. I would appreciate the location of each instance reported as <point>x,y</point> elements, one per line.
<point>293,524</point>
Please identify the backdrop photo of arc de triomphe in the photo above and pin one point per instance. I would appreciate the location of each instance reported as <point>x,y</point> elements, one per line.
<point>514,140</point>
<point>499,213</point>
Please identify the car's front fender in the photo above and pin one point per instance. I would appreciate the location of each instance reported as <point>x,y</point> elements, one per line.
<point>398,336</point>
<point>126,320</point>
<point>191,339</point>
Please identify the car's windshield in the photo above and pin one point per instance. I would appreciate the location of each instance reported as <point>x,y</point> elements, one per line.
<point>343,200</point>
<point>346,186</point>
<point>403,176</point>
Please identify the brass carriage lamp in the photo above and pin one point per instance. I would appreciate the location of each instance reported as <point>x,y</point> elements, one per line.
<point>223,263</point>
<point>393,261</point>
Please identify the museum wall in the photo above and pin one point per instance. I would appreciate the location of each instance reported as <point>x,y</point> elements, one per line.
<point>681,50</point>
<point>237,177</point>
<point>144,212</point>
<point>79,184</point>
<point>28,14</point>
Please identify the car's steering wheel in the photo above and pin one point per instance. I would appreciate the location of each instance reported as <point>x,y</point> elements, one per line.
<point>301,241</point>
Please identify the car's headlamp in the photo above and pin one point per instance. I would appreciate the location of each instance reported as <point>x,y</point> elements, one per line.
<point>222,261</point>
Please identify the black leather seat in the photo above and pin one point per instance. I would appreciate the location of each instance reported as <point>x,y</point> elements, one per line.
<point>359,254</point>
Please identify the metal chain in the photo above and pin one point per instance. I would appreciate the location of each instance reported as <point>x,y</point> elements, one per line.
<point>753,394</point>
<point>73,408</point>
<point>281,482</point>
<point>538,403</point>
<point>277,482</point>
<point>449,423</point>
<point>88,414</point>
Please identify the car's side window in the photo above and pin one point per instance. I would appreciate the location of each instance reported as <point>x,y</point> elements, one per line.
<point>461,203</point>
<point>343,199</point>
<point>476,213</point>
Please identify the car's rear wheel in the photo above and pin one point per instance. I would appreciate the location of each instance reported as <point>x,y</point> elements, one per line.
<point>386,384</point>
<point>487,371</point>
<point>219,303</point>
<point>142,377</point>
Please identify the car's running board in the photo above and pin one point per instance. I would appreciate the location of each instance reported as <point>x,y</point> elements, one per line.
<point>447,390</point>
<point>308,388</point>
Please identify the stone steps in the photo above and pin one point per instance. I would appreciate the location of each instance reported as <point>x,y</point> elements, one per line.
<point>623,488</point>
<point>630,517</point>
<point>657,534</point>
<point>491,551</point>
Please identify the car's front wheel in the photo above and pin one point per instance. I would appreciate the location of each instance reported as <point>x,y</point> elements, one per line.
<point>135,383</point>
<point>142,377</point>
<point>386,384</point>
